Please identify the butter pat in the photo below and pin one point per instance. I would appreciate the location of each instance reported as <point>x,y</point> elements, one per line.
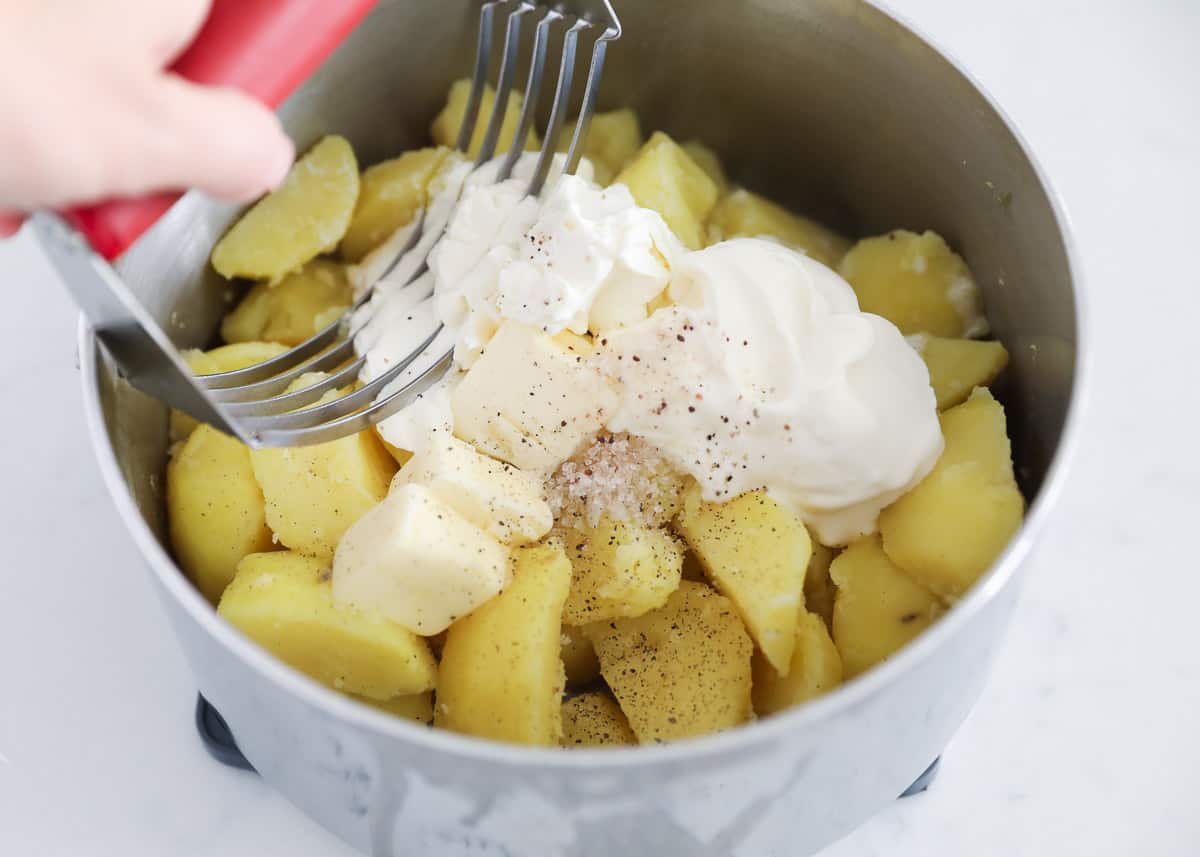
<point>532,399</point>
<point>494,496</point>
<point>418,562</point>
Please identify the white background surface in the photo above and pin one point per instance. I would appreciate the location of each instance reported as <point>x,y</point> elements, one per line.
<point>1085,742</point>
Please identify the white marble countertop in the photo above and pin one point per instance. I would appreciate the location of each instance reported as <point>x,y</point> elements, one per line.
<point>1085,741</point>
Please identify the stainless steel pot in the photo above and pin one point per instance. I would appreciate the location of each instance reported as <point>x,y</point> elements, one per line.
<point>832,106</point>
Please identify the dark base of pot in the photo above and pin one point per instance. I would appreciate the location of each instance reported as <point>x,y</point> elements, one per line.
<point>221,745</point>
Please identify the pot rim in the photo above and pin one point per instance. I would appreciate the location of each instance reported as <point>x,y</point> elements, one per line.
<point>739,740</point>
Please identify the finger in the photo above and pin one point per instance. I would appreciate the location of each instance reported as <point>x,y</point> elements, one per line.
<point>218,140</point>
<point>10,224</point>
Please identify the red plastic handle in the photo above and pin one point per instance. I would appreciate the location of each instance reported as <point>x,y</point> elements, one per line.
<point>266,48</point>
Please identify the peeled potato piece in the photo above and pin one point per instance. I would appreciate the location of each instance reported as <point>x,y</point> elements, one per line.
<point>444,129</point>
<point>290,311</point>
<point>916,282</point>
<point>949,529</point>
<point>308,214</point>
<point>223,359</point>
<point>958,366</point>
<point>283,601</point>
<point>215,509</point>
<point>501,676</point>
<point>681,670</point>
<point>816,668</point>
<point>315,493</point>
<point>619,569</point>
<point>755,552</point>
<point>417,707</point>
<point>707,160</point>
<point>391,194</point>
<point>613,139</point>
<point>878,608</point>
<point>663,177</point>
<point>595,720</point>
<point>743,213</point>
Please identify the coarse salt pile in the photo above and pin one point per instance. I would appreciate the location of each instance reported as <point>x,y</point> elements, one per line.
<point>618,476</point>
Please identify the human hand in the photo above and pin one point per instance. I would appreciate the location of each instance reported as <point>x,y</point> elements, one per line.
<point>88,110</point>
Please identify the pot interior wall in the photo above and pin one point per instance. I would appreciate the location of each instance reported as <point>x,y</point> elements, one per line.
<point>829,106</point>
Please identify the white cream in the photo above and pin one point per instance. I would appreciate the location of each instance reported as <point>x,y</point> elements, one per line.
<point>767,374</point>
<point>578,258</point>
<point>581,258</point>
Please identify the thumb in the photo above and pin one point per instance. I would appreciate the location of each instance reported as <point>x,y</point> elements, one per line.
<point>220,141</point>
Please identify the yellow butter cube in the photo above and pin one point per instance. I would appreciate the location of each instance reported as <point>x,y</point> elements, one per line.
<point>530,399</point>
<point>491,494</point>
<point>415,560</point>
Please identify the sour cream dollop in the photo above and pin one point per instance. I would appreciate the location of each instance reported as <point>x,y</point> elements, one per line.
<point>581,258</point>
<point>765,373</point>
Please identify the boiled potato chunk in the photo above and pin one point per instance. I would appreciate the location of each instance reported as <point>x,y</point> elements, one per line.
<point>215,509</point>
<point>816,668</point>
<point>743,213</point>
<point>305,216</point>
<point>227,358</point>
<point>595,720</point>
<point>619,569</point>
<point>501,676</point>
<point>290,311</point>
<point>417,707</point>
<point>663,177</point>
<point>444,129</point>
<point>948,530</point>
<point>958,366</point>
<point>578,657</point>
<point>391,194</point>
<point>755,552</point>
<point>878,608</point>
<point>314,493</point>
<point>819,590</point>
<point>613,139</point>
<point>223,359</point>
<point>681,670</point>
<point>283,602</point>
<point>707,160</point>
<point>916,282</point>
